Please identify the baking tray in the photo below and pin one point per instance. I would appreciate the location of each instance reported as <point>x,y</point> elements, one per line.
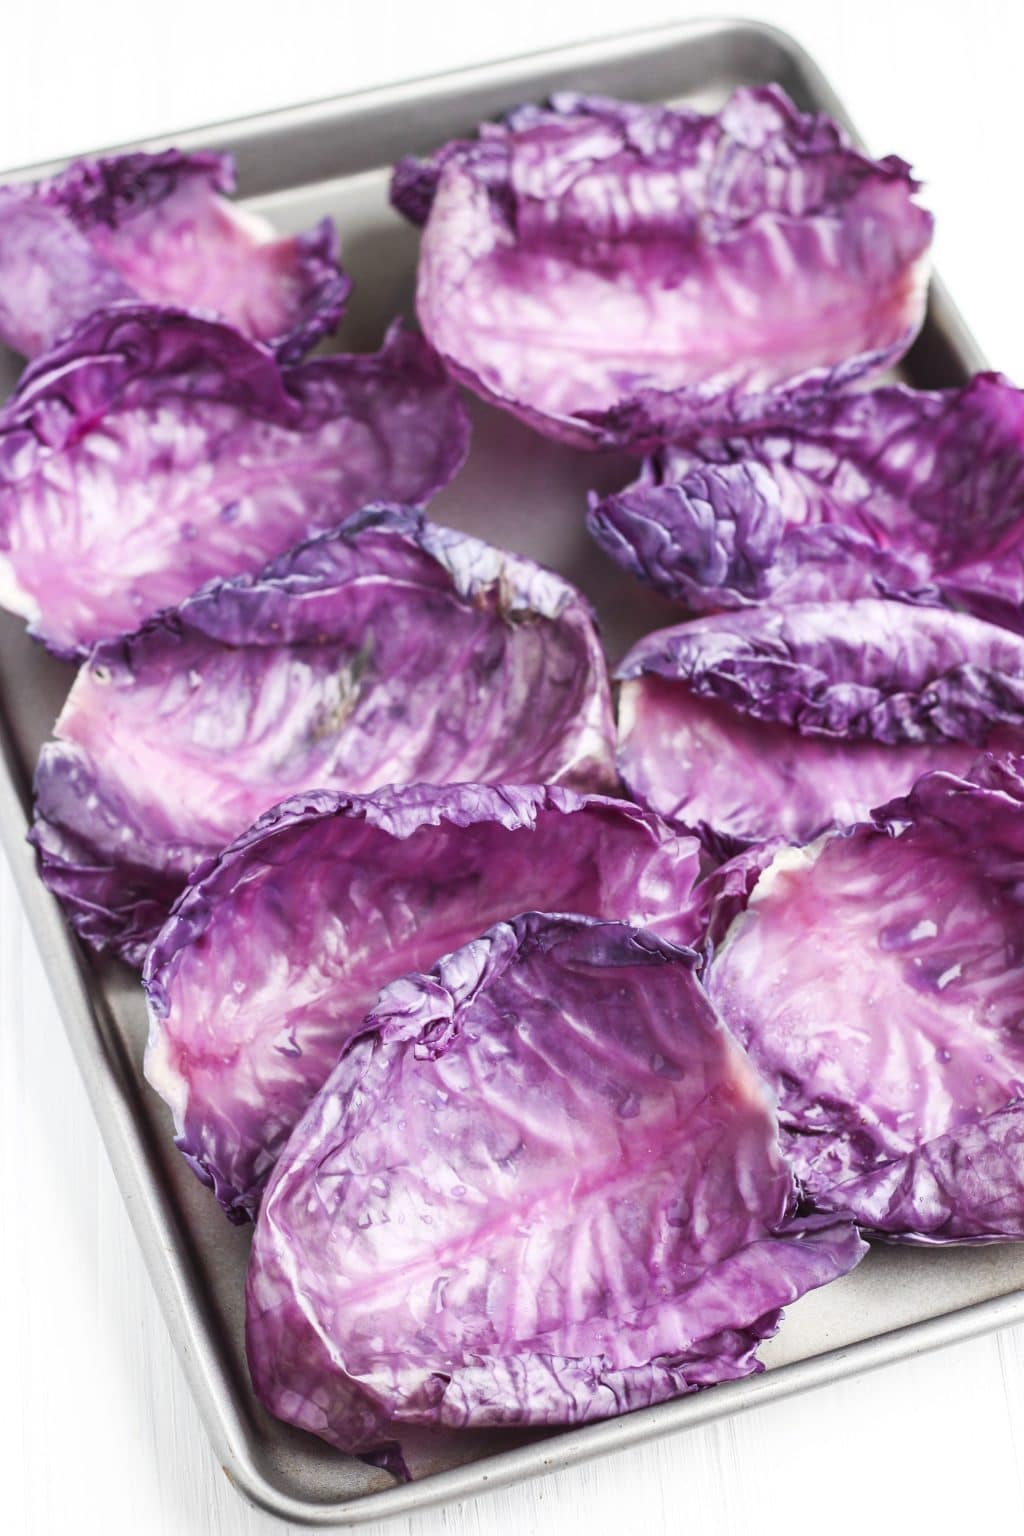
<point>527,493</point>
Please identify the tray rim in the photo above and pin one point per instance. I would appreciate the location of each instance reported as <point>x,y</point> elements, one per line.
<point>604,45</point>
<point>111,1085</point>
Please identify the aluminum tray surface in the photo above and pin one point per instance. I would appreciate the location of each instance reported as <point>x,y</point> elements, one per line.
<point>526,493</point>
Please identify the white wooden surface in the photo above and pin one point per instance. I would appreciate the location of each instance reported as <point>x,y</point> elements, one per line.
<point>98,1435</point>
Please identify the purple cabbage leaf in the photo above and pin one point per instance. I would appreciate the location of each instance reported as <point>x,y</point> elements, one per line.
<point>389,651</point>
<point>542,1186</point>
<point>885,492</point>
<point>278,948</point>
<point>876,980</point>
<point>783,722</point>
<point>615,274</point>
<point>153,451</point>
<point>159,229</point>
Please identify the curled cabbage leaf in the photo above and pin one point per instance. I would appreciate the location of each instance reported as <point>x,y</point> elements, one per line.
<point>158,228</point>
<point>389,651</point>
<point>772,722</point>
<point>876,980</point>
<point>279,946</point>
<point>152,451</point>
<point>885,492</point>
<point>615,273</point>
<point>542,1186</point>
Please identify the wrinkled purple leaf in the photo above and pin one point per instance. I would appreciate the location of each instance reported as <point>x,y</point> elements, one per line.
<point>722,894</point>
<point>543,1186</point>
<point>616,274</point>
<point>388,652</point>
<point>885,492</point>
<point>153,451</point>
<point>278,947</point>
<point>114,899</point>
<point>158,228</point>
<point>784,722</point>
<point>876,980</point>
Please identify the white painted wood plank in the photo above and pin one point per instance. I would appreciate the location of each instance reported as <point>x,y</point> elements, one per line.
<point>98,1434</point>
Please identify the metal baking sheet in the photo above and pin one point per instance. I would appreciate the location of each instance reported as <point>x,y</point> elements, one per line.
<point>526,493</point>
